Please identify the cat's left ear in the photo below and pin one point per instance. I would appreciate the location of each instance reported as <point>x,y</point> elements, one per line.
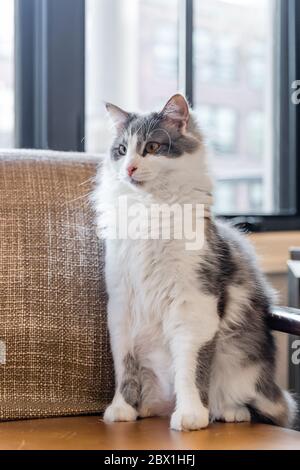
<point>177,112</point>
<point>118,116</point>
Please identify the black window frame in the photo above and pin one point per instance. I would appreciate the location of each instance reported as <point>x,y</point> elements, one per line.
<point>50,74</point>
<point>50,90</point>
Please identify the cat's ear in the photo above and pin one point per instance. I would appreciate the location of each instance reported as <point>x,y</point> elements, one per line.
<point>118,116</point>
<point>177,112</point>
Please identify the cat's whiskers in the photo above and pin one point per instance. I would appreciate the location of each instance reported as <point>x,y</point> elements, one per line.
<point>151,125</point>
<point>78,198</point>
<point>89,180</point>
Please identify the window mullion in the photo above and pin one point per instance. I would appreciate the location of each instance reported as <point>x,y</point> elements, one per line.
<point>186,72</point>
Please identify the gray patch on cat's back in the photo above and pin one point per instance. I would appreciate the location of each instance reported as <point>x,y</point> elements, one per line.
<point>217,268</point>
<point>252,337</point>
<point>203,370</point>
<point>131,386</point>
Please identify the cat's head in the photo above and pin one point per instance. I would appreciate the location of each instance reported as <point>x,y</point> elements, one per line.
<point>156,149</point>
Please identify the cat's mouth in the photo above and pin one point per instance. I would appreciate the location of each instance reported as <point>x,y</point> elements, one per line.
<point>136,182</point>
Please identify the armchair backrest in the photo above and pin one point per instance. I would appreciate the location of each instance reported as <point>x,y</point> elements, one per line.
<point>55,347</point>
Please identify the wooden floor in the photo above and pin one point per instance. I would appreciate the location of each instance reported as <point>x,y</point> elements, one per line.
<point>148,434</point>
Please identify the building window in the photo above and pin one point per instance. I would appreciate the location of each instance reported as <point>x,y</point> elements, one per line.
<point>234,98</point>
<point>257,55</point>
<point>216,56</point>
<point>255,134</point>
<point>239,196</point>
<point>220,127</point>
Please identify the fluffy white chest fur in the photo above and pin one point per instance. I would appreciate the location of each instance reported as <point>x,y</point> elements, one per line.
<point>154,280</point>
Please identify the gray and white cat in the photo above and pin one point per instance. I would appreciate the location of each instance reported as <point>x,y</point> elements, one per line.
<point>188,329</point>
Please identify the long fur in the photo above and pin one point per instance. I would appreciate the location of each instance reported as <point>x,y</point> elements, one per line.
<point>188,329</point>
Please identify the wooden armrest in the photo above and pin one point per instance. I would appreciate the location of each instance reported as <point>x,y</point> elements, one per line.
<point>285,319</point>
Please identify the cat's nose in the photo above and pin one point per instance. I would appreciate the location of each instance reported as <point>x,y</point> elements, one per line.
<point>131,169</point>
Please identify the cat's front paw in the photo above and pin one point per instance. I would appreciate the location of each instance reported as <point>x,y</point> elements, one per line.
<point>190,420</point>
<point>120,412</point>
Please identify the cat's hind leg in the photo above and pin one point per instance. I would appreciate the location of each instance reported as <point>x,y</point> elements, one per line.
<point>235,414</point>
<point>231,389</point>
<point>250,394</point>
<point>148,407</point>
<point>153,401</point>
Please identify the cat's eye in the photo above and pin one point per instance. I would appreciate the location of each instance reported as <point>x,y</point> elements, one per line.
<point>152,147</point>
<point>122,150</point>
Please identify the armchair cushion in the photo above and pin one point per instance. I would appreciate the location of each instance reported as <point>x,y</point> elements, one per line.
<point>53,300</point>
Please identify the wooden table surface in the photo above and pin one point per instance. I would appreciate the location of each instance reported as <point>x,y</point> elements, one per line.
<point>148,434</point>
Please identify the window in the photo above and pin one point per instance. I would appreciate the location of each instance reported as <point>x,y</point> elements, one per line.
<point>6,73</point>
<point>131,60</point>
<point>234,97</point>
<point>236,61</point>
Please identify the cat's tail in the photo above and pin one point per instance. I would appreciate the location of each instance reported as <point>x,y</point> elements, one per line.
<point>280,411</point>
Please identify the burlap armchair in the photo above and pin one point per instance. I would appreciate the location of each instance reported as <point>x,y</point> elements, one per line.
<point>55,357</point>
<point>53,301</point>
